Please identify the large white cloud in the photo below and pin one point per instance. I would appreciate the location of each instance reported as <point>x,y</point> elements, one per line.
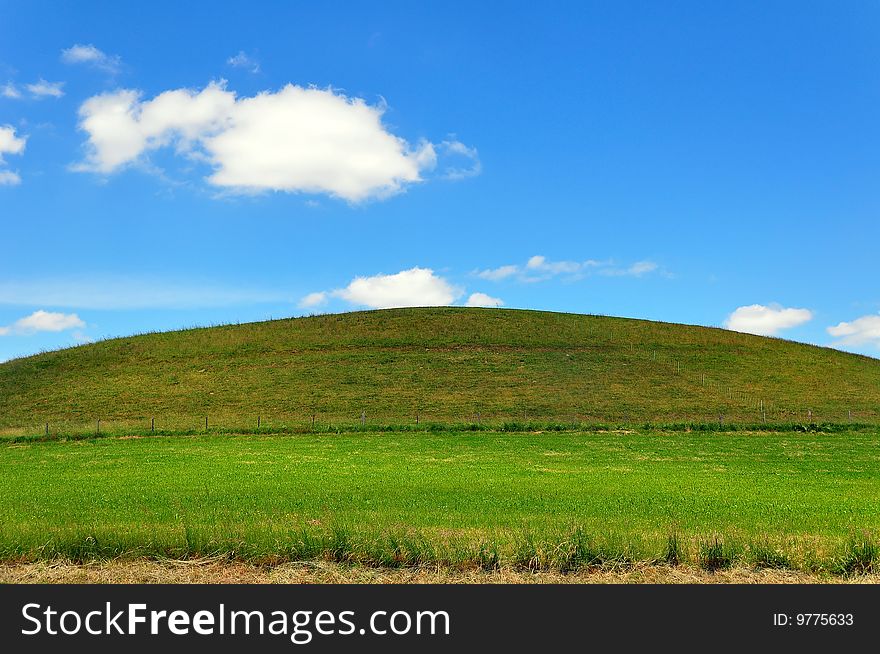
<point>296,139</point>
<point>43,321</point>
<point>861,331</point>
<point>416,287</point>
<point>766,320</point>
<point>9,144</point>
<point>91,56</point>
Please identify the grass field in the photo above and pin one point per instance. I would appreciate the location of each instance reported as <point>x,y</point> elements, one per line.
<point>552,501</point>
<point>443,365</point>
<point>496,441</point>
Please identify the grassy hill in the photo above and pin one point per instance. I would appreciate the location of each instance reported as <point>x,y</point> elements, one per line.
<point>442,365</point>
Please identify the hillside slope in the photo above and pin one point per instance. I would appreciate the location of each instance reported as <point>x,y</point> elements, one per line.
<point>442,364</point>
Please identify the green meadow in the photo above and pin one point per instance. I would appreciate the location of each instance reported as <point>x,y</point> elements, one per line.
<point>553,500</point>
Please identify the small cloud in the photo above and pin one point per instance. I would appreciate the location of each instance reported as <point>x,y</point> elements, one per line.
<point>43,89</point>
<point>539,263</point>
<point>9,178</point>
<point>483,300</point>
<point>10,90</point>
<point>246,61</point>
<point>861,331</point>
<point>9,144</point>
<point>638,269</point>
<point>43,321</point>
<point>91,56</point>
<point>313,300</point>
<point>539,268</point>
<point>766,320</point>
<point>458,160</point>
<point>416,287</point>
<point>497,274</point>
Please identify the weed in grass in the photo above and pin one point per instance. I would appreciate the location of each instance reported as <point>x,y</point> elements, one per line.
<point>527,555</point>
<point>488,557</point>
<point>576,552</point>
<point>861,556</point>
<point>713,555</point>
<point>673,553</point>
<point>764,555</point>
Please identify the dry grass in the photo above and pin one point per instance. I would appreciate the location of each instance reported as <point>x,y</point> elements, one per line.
<point>213,571</point>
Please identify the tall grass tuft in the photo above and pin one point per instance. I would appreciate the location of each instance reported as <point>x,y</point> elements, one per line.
<point>860,557</point>
<point>714,556</point>
<point>673,554</point>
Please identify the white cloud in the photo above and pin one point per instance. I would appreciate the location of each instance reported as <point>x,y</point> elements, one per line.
<point>497,274</point>
<point>43,321</point>
<point>483,300</point>
<point>638,269</point>
<point>43,89</point>
<point>246,61</point>
<point>460,161</point>
<point>538,269</point>
<point>10,90</point>
<point>9,144</point>
<point>861,331</point>
<point>766,320</point>
<point>92,56</point>
<point>313,300</point>
<point>294,140</point>
<point>9,178</point>
<point>416,287</point>
<point>121,128</point>
<point>539,263</point>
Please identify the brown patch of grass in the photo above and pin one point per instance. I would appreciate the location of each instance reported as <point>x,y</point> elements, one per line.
<point>221,571</point>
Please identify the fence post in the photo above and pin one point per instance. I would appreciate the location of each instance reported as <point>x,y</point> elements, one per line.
<point>47,429</point>
<point>258,422</point>
<point>363,417</point>
<point>152,425</point>
<point>98,429</point>
<point>206,423</point>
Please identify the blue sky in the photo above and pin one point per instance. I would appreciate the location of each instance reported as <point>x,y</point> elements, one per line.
<point>175,164</point>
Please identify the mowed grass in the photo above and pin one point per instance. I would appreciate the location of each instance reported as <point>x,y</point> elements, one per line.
<point>558,501</point>
<point>441,365</point>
